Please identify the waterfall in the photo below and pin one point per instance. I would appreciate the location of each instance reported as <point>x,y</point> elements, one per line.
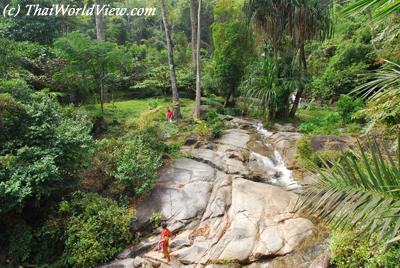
<point>282,176</point>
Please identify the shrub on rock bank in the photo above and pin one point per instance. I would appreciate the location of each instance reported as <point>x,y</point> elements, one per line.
<point>97,229</point>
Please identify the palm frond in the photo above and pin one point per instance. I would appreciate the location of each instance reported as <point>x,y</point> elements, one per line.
<point>383,81</point>
<point>360,192</point>
<point>381,8</point>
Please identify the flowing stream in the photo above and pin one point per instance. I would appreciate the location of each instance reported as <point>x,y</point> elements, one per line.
<point>282,176</point>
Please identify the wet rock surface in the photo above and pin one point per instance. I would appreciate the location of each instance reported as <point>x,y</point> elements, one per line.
<point>219,216</point>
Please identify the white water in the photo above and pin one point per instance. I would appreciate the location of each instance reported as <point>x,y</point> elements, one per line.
<point>263,131</point>
<point>284,178</point>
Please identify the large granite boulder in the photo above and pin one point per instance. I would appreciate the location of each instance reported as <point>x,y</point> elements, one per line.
<point>245,221</point>
<point>337,143</point>
<point>181,194</point>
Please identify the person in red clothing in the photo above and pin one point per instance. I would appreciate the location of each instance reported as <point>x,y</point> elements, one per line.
<point>169,115</point>
<point>164,240</point>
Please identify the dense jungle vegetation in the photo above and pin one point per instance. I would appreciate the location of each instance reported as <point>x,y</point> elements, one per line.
<point>82,115</point>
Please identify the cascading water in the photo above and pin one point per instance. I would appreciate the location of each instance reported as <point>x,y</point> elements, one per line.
<point>263,131</point>
<point>282,176</point>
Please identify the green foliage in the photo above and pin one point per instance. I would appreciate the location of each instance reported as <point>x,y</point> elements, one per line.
<point>260,86</point>
<point>233,47</point>
<point>41,29</point>
<point>17,88</point>
<point>381,8</point>
<point>215,122</point>
<point>45,154</point>
<point>136,165</point>
<point>348,106</point>
<point>327,123</point>
<point>155,220</point>
<point>310,159</point>
<point>383,95</point>
<point>351,251</point>
<point>360,192</point>
<point>304,152</point>
<point>202,130</point>
<point>342,72</point>
<point>20,242</point>
<point>97,229</point>
<point>88,63</point>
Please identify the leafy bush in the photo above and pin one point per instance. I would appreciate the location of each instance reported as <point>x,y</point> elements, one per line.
<point>215,122</point>
<point>156,219</point>
<point>304,152</point>
<point>203,131</point>
<point>97,229</point>
<point>311,106</point>
<point>20,242</point>
<point>350,250</point>
<point>308,127</point>
<point>136,165</point>
<point>342,72</point>
<point>325,123</point>
<point>17,88</point>
<point>46,153</point>
<point>310,159</point>
<point>348,106</point>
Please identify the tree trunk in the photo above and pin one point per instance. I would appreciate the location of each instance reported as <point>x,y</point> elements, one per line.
<point>170,46</point>
<point>193,23</point>
<point>299,93</point>
<point>100,37</point>
<point>99,22</point>
<point>198,79</point>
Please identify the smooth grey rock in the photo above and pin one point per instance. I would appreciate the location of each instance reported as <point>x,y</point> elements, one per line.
<point>181,193</point>
<point>337,143</point>
<point>124,254</point>
<point>285,143</point>
<point>287,127</point>
<point>234,137</point>
<point>126,263</point>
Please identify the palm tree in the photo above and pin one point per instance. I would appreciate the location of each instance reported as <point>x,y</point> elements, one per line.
<point>300,20</point>
<point>259,86</point>
<point>311,20</point>
<point>361,192</point>
<point>170,47</point>
<point>269,18</point>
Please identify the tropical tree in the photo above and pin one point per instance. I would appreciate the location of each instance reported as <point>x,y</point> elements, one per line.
<point>283,23</point>
<point>259,86</point>
<point>86,60</point>
<point>232,49</point>
<point>170,47</point>
<point>311,20</point>
<point>361,192</point>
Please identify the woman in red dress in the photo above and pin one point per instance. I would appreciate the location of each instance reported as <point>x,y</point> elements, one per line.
<point>164,241</point>
<point>169,115</point>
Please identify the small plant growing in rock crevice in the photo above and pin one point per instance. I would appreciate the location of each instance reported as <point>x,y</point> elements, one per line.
<point>155,220</point>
